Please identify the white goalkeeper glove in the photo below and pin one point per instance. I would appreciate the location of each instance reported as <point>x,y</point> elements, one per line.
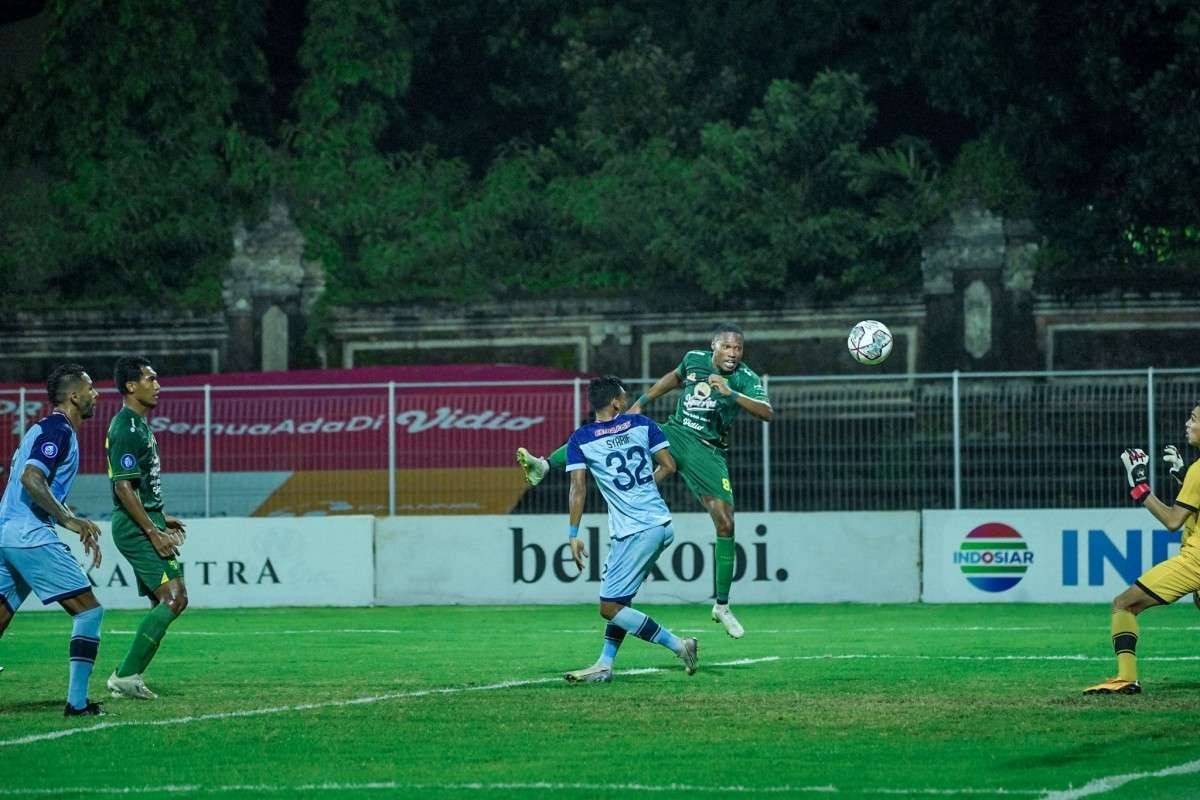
<point>1137,473</point>
<point>1175,462</point>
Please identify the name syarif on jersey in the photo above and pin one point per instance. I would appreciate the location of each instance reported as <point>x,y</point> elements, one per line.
<point>620,455</point>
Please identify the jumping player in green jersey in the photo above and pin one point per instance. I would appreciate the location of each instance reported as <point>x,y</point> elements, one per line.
<point>715,386</point>
<point>145,534</point>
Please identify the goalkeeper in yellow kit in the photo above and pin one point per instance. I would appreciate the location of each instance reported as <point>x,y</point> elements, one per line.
<point>1166,582</point>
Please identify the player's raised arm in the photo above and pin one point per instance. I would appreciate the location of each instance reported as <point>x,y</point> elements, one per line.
<point>759,409</point>
<point>1136,464</point>
<point>667,383</point>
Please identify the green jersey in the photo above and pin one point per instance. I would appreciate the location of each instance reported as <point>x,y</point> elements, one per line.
<point>704,410</point>
<point>133,456</point>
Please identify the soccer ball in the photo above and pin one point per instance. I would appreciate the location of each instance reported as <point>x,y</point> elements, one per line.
<point>870,342</point>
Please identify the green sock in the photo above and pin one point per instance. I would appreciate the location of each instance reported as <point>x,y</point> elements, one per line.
<point>724,571</point>
<point>558,459</point>
<point>145,643</point>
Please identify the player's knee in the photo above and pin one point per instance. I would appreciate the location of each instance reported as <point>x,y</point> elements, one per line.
<point>609,610</point>
<point>179,603</point>
<point>724,527</point>
<point>1125,602</point>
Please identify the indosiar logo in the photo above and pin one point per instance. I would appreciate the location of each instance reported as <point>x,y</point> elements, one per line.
<point>993,557</point>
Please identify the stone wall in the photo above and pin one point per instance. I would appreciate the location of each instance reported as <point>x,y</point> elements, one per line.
<point>976,310</point>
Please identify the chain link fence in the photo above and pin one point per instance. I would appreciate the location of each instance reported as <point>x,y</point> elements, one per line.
<point>955,440</point>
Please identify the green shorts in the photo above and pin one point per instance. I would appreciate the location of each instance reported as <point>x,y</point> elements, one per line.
<point>703,467</point>
<point>151,569</point>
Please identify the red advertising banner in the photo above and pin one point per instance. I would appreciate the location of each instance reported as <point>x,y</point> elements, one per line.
<point>329,429</point>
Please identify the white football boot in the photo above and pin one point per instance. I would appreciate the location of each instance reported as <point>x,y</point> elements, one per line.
<point>690,655</point>
<point>722,614</point>
<point>596,673</point>
<point>131,686</point>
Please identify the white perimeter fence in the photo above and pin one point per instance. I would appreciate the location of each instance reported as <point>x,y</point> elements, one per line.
<point>863,443</point>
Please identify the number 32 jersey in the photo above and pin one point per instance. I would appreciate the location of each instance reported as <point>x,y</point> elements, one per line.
<point>620,455</point>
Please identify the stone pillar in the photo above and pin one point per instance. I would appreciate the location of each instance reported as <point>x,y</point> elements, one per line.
<point>269,292</point>
<point>978,278</point>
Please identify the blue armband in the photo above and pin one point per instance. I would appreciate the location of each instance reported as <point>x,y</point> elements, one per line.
<point>572,531</point>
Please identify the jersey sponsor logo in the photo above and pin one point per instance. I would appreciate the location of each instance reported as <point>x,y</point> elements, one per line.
<point>700,399</point>
<point>696,426</point>
<point>620,426</point>
<point>993,557</point>
<point>49,449</point>
<point>128,461</point>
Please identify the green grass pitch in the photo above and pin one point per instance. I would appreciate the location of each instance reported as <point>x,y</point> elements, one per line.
<point>468,702</point>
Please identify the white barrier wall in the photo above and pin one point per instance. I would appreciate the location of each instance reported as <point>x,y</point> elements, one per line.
<point>1042,556</point>
<point>1039,556</point>
<point>782,558</point>
<point>236,563</point>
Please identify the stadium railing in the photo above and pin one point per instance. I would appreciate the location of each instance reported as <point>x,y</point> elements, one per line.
<point>875,442</point>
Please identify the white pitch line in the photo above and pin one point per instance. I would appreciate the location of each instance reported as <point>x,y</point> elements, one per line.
<point>269,633</point>
<point>1102,785</point>
<point>393,786</point>
<point>534,786</point>
<point>355,701</point>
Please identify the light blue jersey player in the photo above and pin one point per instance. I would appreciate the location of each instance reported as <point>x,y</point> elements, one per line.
<point>32,557</point>
<point>628,456</point>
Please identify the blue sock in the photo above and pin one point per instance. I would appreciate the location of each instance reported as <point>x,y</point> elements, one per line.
<point>85,642</point>
<point>645,628</point>
<point>613,636</point>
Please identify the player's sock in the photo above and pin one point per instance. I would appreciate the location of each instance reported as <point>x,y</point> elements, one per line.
<point>613,636</point>
<point>145,643</point>
<point>1124,637</point>
<point>558,459</point>
<point>85,643</point>
<point>726,556</point>
<point>646,628</point>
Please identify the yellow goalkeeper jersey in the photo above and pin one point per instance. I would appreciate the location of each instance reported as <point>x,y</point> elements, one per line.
<point>1189,498</point>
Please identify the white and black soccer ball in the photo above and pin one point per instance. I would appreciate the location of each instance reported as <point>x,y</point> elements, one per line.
<point>870,342</point>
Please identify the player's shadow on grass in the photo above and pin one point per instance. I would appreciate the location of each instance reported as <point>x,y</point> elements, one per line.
<point>1166,742</point>
<point>32,705</point>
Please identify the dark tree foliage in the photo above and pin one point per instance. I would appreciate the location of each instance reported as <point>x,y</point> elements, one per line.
<point>461,150</point>
<point>126,163</point>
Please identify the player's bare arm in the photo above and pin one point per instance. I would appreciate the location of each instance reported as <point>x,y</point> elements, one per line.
<point>1172,517</point>
<point>575,502</point>
<point>667,383</point>
<point>665,465</point>
<point>34,481</point>
<point>755,408</point>
<point>137,512</point>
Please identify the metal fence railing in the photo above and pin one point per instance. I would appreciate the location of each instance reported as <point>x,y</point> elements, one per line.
<point>875,442</point>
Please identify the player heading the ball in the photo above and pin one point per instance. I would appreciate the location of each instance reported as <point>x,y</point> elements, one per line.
<point>715,386</point>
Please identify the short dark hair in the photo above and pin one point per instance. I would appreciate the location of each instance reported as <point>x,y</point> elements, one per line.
<point>727,327</point>
<point>62,380</point>
<point>129,368</point>
<point>602,391</point>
